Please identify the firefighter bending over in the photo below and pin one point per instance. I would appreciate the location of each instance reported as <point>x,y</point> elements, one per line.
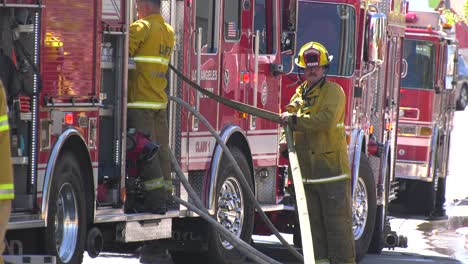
<point>6,176</point>
<point>151,45</point>
<point>316,115</point>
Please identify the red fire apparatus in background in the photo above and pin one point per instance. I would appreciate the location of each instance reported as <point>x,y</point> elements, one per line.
<point>69,124</point>
<point>426,111</point>
<point>366,42</point>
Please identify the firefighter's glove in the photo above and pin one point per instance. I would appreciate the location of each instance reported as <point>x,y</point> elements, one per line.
<point>285,118</point>
<point>288,118</point>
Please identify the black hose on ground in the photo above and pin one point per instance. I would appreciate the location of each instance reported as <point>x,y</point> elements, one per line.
<point>242,179</point>
<point>240,244</point>
<point>191,192</point>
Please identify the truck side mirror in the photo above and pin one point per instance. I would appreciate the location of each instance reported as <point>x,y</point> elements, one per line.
<point>376,38</point>
<point>289,9</point>
<point>288,43</point>
<point>451,74</point>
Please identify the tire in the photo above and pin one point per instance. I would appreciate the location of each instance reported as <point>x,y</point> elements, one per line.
<point>219,250</point>
<point>462,100</point>
<point>421,197</point>
<point>297,237</point>
<point>364,208</point>
<point>440,197</point>
<point>377,243</point>
<point>65,234</point>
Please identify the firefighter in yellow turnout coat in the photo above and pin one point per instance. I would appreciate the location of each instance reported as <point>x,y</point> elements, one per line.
<point>6,171</point>
<point>316,115</point>
<point>151,45</point>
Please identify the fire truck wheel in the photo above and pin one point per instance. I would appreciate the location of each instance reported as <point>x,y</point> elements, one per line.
<point>377,243</point>
<point>65,233</point>
<point>364,208</point>
<point>233,210</point>
<point>421,197</point>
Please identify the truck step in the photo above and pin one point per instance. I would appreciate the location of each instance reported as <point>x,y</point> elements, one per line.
<point>144,230</point>
<point>29,259</point>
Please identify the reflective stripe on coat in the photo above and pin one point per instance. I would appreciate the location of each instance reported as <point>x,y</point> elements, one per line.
<point>6,175</point>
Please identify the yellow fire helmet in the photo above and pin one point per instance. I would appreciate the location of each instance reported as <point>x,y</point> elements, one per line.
<point>313,54</point>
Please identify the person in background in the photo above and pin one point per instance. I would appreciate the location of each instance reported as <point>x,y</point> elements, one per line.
<point>150,45</point>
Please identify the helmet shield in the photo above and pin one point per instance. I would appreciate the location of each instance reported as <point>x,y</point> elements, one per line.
<point>312,57</point>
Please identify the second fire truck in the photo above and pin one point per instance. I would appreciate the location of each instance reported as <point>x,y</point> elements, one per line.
<point>426,114</point>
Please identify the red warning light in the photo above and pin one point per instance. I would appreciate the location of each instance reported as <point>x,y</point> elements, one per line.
<point>69,119</point>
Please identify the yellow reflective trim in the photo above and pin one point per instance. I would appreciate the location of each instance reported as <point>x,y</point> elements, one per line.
<point>7,191</point>
<point>168,184</point>
<point>340,125</point>
<point>9,196</point>
<point>147,105</point>
<point>154,184</point>
<point>6,186</point>
<point>4,126</point>
<point>326,180</point>
<point>152,59</point>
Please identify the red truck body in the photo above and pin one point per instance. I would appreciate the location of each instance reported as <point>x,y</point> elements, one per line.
<point>69,122</point>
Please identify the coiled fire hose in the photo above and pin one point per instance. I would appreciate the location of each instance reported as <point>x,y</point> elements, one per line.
<point>306,234</point>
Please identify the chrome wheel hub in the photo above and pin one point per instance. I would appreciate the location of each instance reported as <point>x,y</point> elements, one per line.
<point>230,211</point>
<point>66,223</point>
<point>360,209</point>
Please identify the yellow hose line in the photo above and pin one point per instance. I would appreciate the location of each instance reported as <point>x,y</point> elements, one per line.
<point>301,203</point>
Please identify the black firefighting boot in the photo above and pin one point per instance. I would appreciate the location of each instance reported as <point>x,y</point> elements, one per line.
<point>155,201</point>
<point>155,192</point>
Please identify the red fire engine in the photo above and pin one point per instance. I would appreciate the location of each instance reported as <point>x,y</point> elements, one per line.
<point>69,125</point>
<point>366,42</point>
<point>426,113</point>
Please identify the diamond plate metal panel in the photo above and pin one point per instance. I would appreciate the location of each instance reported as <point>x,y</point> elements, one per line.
<point>266,185</point>
<point>196,181</point>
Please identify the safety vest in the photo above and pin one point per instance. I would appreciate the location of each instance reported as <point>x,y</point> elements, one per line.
<point>6,175</point>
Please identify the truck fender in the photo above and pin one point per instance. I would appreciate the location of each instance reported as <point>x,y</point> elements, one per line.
<point>226,134</point>
<point>55,153</point>
<point>355,147</point>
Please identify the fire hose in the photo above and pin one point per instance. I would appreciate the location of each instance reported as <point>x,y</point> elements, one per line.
<point>306,234</point>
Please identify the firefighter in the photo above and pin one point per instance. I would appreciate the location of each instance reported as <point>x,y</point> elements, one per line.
<point>151,44</point>
<point>6,175</point>
<point>316,115</point>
